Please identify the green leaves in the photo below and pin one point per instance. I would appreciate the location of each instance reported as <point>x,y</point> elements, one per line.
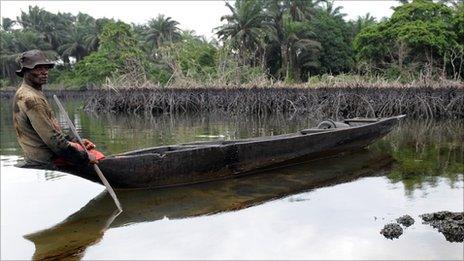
<point>196,57</point>
<point>246,27</point>
<point>336,54</point>
<point>118,45</point>
<point>15,42</point>
<point>161,30</point>
<point>418,37</point>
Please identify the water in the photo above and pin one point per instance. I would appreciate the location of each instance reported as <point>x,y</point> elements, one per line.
<point>325,209</point>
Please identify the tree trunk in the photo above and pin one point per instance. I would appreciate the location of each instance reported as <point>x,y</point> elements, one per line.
<point>285,64</point>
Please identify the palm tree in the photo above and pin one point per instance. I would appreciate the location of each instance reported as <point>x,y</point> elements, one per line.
<point>43,22</point>
<point>53,27</point>
<point>7,23</point>
<point>246,27</point>
<point>92,34</point>
<point>89,29</point>
<point>162,29</point>
<point>361,22</point>
<point>74,44</point>
<point>333,11</point>
<point>296,47</point>
<point>301,9</point>
<point>14,43</point>
<point>294,34</point>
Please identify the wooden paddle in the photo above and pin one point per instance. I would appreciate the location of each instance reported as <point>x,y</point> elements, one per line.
<point>95,166</point>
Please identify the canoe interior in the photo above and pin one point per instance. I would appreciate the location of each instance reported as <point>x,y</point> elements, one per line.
<point>195,145</point>
<point>177,165</point>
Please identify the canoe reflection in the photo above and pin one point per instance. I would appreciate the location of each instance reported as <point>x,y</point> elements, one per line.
<point>70,238</point>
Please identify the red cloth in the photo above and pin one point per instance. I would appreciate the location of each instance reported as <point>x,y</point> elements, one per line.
<point>61,162</point>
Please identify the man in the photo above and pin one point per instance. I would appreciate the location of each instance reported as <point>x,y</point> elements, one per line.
<point>37,129</point>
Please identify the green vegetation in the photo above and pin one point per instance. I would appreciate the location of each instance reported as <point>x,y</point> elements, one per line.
<point>289,41</point>
<point>420,37</point>
<point>424,152</point>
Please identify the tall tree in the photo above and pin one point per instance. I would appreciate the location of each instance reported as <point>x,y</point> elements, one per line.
<point>74,44</point>
<point>332,10</point>
<point>418,34</point>
<point>162,29</point>
<point>246,28</point>
<point>336,54</point>
<point>119,54</point>
<point>7,23</point>
<point>294,36</point>
<point>13,44</point>
<point>52,26</point>
<point>360,23</point>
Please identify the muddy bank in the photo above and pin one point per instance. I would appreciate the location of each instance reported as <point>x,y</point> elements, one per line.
<point>450,224</point>
<point>427,103</point>
<point>419,103</point>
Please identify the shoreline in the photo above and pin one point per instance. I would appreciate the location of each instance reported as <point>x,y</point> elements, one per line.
<point>322,102</point>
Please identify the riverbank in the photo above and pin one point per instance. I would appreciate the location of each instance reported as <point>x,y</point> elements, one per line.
<point>335,102</point>
<point>425,103</point>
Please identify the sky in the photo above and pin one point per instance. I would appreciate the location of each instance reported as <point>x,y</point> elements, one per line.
<point>200,16</point>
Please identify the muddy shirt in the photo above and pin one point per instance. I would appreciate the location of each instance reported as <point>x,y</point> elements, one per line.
<point>38,131</point>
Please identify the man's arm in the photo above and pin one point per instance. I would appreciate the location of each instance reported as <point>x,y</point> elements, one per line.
<point>54,138</point>
<point>87,143</point>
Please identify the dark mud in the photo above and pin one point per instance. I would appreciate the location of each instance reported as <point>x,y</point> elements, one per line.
<point>450,224</point>
<point>405,220</point>
<point>392,231</point>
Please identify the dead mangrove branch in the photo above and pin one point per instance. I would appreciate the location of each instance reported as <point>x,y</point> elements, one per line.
<point>422,102</point>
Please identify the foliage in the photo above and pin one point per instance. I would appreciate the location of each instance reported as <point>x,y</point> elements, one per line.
<point>259,40</point>
<point>193,56</point>
<point>119,54</point>
<point>161,30</point>
<point>416,38</point>
<point>336,55</point>
<point>7,24</point>
<point>13,44</point>
<point>417,167</point>
<point>294,36</point>
<point>360,23</point>
<point>246,28</point>
<point>458,22</point>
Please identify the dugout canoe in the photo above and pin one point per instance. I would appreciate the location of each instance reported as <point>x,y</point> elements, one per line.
<point>207,161</point>
<point>87,226</point>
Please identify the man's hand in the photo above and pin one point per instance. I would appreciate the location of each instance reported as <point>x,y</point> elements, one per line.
<point>92,159</point>
<point>74,145</point>
<point>88,144</point>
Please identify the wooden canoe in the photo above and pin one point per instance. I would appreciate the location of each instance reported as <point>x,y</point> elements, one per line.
<point>88,225</point>
<point>207,161</point>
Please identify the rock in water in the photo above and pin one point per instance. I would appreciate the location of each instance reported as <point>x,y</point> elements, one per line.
<point>450,224</point>
<point>405,220</point>
<point>391,231</point>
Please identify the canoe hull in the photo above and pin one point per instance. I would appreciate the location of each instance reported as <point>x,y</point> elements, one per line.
<point>201,162</point>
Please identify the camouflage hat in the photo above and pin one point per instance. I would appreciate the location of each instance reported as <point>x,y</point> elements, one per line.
<point>31,59</point>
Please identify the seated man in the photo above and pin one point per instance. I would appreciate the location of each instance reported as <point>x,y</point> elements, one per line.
<point>37,129</point>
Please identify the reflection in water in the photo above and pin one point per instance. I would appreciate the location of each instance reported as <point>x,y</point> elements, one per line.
<point>425,151</point>
<point>87,226</point>
<point>121,133</point>
<point>417,154</point>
